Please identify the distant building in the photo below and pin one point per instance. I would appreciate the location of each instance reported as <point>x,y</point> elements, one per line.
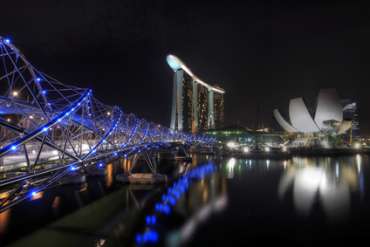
<point>219,110</point>
<point>202,110</point>
<point>241,137</point>
<point>350,113</point>
<point>328,117</point>
<point>196,105</point>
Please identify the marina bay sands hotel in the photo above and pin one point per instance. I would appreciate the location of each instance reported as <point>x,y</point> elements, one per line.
<point>196,105</point>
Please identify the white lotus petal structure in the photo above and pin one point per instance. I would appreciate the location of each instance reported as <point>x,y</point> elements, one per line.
<point>328,115</point>
<point>300,117</point>
<point>283,123</point>
<point>328,108</point>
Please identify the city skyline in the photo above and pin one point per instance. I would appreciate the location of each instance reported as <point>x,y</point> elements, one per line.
<point>196,105</point>
<point>261,53</point>
<point>184,123</point>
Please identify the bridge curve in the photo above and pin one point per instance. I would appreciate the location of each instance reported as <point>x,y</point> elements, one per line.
<point>49,129</point>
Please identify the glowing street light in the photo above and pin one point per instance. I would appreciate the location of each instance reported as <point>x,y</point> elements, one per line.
<point>357,145</point>
<point>246,150</point>
<point>232,145</point>
<point>15,93</point>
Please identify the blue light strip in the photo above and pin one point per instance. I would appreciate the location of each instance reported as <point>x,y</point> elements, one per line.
<point>146,132</point>
<point>169,199</point>
<point>44,128</point>
<point>106,135</point>
<point>132,134</point>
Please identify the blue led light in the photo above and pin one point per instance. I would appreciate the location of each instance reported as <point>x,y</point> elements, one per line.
<point>150,220</point>
<point>100,165</point>
<point>7,41</point>
<point>13,147</point>
<point>150,236</point>
<point>73,168</point>
<point>42,128</point>
<point>43,92</point>
<point>139,239</point>
<point>38,79</point>
<point>33,193</point>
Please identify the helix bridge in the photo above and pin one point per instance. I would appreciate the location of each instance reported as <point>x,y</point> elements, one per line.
<point>50,130</point>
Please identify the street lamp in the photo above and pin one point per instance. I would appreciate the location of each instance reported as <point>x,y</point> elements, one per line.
<point>15,93</point>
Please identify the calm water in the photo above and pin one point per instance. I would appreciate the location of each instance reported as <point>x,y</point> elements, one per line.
<point>300,202</point>
<point>297,202</point>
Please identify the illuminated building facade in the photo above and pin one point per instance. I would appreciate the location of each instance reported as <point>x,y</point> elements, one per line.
<point>350,113</point>
<point>203,108</point>
<point>328,116</point>
<point>242,136</point>
<point>196,105</point>
<point>219,110</point>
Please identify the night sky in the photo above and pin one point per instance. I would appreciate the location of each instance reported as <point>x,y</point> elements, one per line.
<point>261,53</point>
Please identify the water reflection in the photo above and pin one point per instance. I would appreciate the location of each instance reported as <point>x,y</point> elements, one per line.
<point>230,167</point>
<point>327,182</point>
<point>4,220</point>
<point>71,194</point>
<point>236,167</point>
<point>204,199</point>
<point>188,229</point>
<point>188,202</point>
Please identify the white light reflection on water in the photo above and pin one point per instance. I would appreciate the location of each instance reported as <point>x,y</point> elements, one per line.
<point>327,181</point>
<point>358,163</point>
<point>230,167</point>
<point>188,229</point>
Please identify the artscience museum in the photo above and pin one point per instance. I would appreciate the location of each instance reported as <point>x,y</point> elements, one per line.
<point>328,116</point>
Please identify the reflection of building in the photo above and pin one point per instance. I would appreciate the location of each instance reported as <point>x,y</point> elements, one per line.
<point>204,199</point>
<point>326,181</point>
<point>196,105</point>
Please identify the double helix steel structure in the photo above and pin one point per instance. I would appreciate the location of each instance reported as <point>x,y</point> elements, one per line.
<point>49,129</point>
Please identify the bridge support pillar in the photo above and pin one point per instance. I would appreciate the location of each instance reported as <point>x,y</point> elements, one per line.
<point>143,178</point>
